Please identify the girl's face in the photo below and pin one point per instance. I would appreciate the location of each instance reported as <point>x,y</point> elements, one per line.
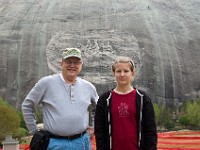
<point>123,73</point>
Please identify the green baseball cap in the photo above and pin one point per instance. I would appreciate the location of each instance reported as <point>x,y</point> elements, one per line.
<point>71,52</point>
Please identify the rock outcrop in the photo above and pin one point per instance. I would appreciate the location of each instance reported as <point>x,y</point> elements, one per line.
<point>161,36</point>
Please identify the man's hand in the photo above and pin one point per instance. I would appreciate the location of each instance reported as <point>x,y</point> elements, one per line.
<point>91,132</point>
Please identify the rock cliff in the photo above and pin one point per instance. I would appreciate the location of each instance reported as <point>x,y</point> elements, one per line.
<point>161,36</point>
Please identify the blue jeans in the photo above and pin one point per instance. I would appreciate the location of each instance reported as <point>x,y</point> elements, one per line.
<point>82,143</point>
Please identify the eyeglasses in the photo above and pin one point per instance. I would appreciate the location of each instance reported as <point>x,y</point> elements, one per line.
<point>76,63</point>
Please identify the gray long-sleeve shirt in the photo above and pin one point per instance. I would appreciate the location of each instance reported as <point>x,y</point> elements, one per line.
<point>64,106</point>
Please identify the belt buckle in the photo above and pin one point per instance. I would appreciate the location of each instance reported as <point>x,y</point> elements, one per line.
<point>75,136</point>
<point>69,137</point>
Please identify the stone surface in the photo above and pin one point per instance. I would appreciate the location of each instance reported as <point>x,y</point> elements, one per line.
<point>161,36</point>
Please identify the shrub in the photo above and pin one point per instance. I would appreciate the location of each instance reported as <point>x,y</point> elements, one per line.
<point>190,114</point>
<point>10,120</point>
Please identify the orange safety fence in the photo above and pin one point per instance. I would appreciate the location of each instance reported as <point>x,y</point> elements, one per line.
<point>178,149</point>
<point>179,140</point>
<point>24,147</point>
<point>172,133</point>
<point>93,143</point>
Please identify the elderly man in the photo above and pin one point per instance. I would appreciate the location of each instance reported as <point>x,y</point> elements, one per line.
<point>65,99</point>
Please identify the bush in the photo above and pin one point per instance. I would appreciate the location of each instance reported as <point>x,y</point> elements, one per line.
<point>183,120</point>
<point>20,133</point>
<point>10,120</point>
<point>163,117</point>
<point>22,122</point>
<point>190,114</point>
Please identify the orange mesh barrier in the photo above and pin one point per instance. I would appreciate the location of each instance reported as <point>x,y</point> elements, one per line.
<point>24,147</point>
<point>179,140</point>
<point>93,143</point>
<point>178,149</point>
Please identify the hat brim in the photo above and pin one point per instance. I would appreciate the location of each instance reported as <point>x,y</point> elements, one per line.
<point>66,57</point>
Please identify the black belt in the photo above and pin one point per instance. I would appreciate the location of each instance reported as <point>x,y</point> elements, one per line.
<point>68,137</point>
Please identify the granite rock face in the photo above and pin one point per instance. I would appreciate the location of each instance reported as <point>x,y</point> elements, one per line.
<point>161,36</point>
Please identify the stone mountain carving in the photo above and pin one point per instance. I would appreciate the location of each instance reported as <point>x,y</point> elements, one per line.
<point>99,48</point>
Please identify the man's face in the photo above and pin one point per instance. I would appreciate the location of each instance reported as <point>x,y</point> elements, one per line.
<point>71,67</point>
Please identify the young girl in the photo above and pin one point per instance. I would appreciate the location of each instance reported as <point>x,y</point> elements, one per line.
<point>124,117</point>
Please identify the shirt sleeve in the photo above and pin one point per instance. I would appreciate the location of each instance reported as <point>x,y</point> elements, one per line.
<point>95,97</point>
<point>32,100</point>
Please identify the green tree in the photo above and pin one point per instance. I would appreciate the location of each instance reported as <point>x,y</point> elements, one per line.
<point>157,113</point>
<point>190,114</point>
<point>39,115</point>
<point>167,119</point>
<point>22,122</point>
<point>9,119</point>
<point>20,133</point>
<point>163,117</point>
